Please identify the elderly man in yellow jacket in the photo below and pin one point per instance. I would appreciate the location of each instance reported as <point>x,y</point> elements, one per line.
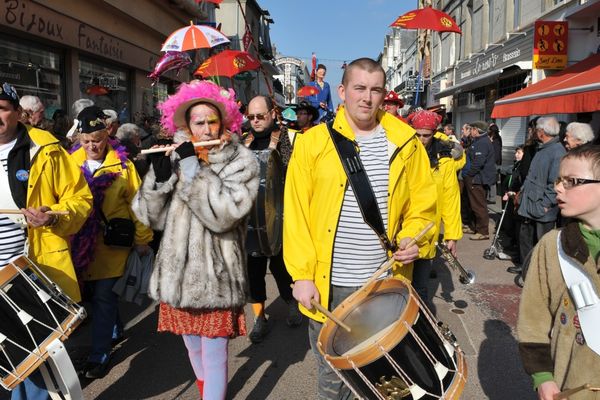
<point>324,233</point>
<point>443,169</point>
<point>37,176</point>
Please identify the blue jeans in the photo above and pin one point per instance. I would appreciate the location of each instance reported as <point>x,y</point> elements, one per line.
<point>105,304</point>
<point>32,388</point>
<point>329,385</point>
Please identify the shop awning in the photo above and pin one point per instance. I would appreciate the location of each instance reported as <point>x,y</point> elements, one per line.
<point>575,89</point>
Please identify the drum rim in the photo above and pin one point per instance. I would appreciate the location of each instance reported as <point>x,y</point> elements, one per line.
<point>371,352</point>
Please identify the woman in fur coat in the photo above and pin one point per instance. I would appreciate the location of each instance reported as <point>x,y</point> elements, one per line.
<point>200,198</point>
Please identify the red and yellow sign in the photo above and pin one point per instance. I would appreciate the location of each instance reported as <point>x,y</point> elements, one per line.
<point>550,44</point>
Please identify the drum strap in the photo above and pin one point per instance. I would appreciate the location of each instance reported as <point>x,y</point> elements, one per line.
<point>361,186</point>
<point>584,296</point>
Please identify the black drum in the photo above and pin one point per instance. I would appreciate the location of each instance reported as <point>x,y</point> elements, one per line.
<point>395,349</point>
<point>34,312</point>
<point>265,229</point>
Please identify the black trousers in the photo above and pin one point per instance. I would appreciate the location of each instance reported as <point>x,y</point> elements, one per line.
<point>478,201</point>
<point>530,233</point>
<point>257,270</point>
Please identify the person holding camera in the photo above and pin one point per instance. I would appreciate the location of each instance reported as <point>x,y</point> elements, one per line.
<point>100,249</point>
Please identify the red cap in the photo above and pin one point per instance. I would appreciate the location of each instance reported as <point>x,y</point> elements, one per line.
<point>424,119</point>
<point>393,97</point>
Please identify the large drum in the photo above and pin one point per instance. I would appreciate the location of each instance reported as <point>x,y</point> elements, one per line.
<point>265,228</point>
<point>33,313</point>
<point>396,349</point>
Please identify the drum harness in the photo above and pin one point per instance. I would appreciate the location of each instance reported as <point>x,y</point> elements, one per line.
<point>357,176</point>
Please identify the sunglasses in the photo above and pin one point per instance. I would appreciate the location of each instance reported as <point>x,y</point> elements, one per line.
<point>259,117</point>
<point>569,182</point>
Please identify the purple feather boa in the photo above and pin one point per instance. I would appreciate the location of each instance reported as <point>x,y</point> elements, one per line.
<point>83,243</point>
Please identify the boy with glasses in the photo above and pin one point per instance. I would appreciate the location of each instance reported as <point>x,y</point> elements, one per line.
<point>560,310</point>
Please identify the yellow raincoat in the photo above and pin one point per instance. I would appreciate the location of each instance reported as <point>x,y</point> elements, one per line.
<point>448,202</point>
<point>109,262</point>
<point>55,181</point>
<point>314,192</point>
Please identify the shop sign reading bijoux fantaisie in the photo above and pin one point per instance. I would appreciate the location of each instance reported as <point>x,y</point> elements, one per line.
<point>500,56</point>
<point>36,19</point>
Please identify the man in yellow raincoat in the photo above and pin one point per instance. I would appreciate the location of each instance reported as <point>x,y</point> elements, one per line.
<point>38,176</point>
<point>324,233</point>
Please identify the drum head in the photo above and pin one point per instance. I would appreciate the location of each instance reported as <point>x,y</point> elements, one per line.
<point>368,320</point>
<point>274,203</point>
<point>265,228</point>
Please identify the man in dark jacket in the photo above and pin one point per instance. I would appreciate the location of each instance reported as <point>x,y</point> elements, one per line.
<point>266,134</point>
<point>478,178</point>
<point>537,204</point>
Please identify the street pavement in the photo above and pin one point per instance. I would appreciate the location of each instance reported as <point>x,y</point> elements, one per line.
<point>482,316</point>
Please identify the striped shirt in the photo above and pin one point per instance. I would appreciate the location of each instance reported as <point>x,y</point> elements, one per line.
<point>12,236</point>
<point>357,251</point>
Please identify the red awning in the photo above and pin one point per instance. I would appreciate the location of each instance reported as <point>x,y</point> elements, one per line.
<point>575,89</point>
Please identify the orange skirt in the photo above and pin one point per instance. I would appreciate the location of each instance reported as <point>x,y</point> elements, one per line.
<point>209,323</point>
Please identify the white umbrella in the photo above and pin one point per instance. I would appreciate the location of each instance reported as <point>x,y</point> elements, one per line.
<point>194,37</point>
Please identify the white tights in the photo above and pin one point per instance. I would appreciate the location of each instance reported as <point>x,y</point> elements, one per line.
<point>208,357</point>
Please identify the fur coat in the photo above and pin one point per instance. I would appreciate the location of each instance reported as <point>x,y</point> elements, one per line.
<point>201,262</point>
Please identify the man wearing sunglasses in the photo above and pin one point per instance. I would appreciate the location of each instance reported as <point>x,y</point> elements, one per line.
<point>266,134</point>
<point>538,205</point>
<point>37,175</point>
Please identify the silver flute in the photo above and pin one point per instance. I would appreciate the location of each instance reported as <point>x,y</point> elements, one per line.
<point>466,277</point>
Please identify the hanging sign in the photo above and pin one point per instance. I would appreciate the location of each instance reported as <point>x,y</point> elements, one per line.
<point>550,44</point>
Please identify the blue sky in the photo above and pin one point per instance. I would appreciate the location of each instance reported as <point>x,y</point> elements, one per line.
<point>336,30</point>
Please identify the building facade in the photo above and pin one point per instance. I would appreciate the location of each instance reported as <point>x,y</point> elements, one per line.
<point>493,56</point>
<point>63,50</point>
<point>253,37</point>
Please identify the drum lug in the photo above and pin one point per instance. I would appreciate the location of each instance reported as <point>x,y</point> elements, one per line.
<point>441,370</point>
<point>24,317</point>
<point>417,391</point>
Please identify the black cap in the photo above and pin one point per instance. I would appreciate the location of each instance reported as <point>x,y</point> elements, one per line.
<point>8,92</point>
<point>91,119</point>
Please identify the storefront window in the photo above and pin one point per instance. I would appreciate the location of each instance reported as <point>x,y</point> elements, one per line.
<point>152,96</point>
<point>107,86</point>
<point>32,70</point>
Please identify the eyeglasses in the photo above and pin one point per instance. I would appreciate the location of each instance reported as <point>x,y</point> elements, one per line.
<point>569,182</point>
<point>259,117</point>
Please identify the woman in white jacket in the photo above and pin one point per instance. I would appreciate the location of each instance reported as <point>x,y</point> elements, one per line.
<point>200,198</point>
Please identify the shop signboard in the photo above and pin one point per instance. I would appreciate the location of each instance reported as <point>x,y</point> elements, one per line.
<point>35,19</point>
<point>498,57</point>
<point>550,44</point>
<point>18,74</point>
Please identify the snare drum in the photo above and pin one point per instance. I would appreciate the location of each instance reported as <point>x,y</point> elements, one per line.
<point>396,348</point>
<point>33,313</point>
<point>265,229</point>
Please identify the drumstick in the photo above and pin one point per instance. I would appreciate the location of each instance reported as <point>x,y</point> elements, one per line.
<point>328,314</point>
<point>566,393</point>
<point>197,144</point>
<point>388,264</point>
<point>12,212</point>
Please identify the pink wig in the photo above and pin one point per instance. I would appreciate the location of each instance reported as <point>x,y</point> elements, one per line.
<point>198,91</point>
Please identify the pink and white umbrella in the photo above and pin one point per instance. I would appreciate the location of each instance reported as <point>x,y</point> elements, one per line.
<point>194,37</point>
